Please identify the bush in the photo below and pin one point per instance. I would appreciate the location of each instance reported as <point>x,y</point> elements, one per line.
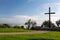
<point>22,27</point>
<point>5,26</point>
<point>16,27</point>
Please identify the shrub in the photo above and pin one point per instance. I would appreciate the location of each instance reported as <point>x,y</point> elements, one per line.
<point>16,27</point>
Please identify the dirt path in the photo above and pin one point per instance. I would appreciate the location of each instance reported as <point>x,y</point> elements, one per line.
<point>13,33</point>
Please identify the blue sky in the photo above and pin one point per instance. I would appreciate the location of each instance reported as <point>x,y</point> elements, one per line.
<point>18,11</point>
<point>21,7</point>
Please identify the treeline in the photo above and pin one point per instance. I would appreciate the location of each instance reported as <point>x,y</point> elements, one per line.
<point>9,26</point>
<point>31,24</point>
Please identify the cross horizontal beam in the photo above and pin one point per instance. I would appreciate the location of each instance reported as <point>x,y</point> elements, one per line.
<point>50,13</point>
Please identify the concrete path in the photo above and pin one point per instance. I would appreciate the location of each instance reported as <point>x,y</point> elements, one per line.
<point>13,33</point>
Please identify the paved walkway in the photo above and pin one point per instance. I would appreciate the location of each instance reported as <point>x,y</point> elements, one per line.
<point>13,33</point>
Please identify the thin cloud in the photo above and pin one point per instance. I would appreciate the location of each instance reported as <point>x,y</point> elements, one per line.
<point>19,19</point>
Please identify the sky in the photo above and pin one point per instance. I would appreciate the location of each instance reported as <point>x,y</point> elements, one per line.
<point>17,12</point>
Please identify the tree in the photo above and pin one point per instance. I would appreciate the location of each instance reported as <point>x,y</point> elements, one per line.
<point>22,27</point>
<point>6,25</point>
<point>33,25</point>
<point>30,23</point>
<point>16,26</point>
<point>46,24</point>
<point>58,22</point>
<point>1,26</point>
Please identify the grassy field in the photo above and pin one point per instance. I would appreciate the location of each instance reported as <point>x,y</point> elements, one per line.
<point>13,30</point>
<point>44,36</point>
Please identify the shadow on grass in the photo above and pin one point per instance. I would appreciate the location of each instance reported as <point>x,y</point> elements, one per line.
<point>41,39</point>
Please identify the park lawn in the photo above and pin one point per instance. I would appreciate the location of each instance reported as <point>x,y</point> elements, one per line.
<point>14,30</point>
<point>43,36</point>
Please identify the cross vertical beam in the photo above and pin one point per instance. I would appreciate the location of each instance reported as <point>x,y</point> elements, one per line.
<point>50,16</point>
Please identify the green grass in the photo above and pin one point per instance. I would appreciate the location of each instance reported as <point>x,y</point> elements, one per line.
<point>44,36</point>
<point>13,30</point>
